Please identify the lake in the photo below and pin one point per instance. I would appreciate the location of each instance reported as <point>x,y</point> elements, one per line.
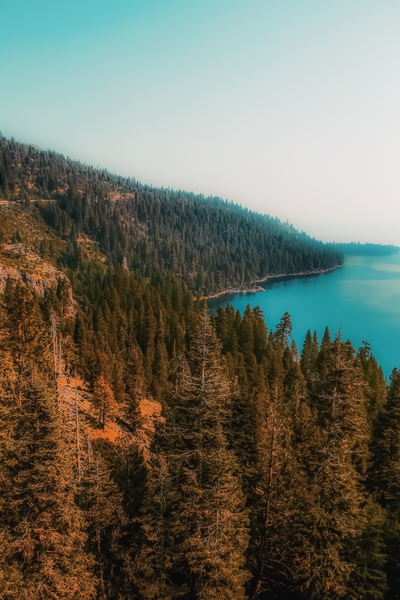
<point>363,298</point>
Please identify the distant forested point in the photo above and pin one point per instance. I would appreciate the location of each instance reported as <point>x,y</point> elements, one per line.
<point>368,249</point>
<point>209,243</point>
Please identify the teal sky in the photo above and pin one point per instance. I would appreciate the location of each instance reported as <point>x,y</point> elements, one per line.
<point>290,107</point>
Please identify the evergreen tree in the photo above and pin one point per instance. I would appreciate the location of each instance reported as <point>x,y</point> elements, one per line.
<point>368,555</point>
<point>335,492</point>
<point>46,525</point>
<point>155,558</point>
<point>278,496</point>
<point>309,353</point>
<point>104,401</point>
<point>160,368</point>
<point>283,330</point>
<point>135,387</point>
<point>384,477</point>
<point>105,519</point>
<point>209,520</point>
<point>10,574</point>
<point>26,336</point>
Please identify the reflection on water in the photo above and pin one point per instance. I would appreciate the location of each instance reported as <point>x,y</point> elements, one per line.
<point>364,297</point>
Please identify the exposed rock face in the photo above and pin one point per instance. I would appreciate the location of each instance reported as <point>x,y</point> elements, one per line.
<point>32,270</point>
<point>20,264</point>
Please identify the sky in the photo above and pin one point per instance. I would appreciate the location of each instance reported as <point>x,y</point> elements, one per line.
<point>288,107</point>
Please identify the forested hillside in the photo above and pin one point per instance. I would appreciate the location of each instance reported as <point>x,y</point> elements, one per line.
<point>210,244</point>
<point>358,249</point>
<point>152,450</point>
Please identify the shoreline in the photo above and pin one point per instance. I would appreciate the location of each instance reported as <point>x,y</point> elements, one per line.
<point>258,288</point>
<point>302,273</point>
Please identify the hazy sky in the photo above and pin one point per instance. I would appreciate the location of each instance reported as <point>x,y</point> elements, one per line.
<point>290,107</point>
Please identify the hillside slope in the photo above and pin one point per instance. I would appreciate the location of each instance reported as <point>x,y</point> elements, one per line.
<point>29,250</point>
<point>151,450</point>
<point>209,243</point>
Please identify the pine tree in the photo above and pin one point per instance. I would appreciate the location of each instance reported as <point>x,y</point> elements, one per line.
<point>135,387</point>
<point>160,367</point>
<point>322,359</point>
<point>278,496</point>
<point>105,519</point>
<point>24,330</point>
<point>104,401</point>
<point>384,477</point>
<point>154,561</point>
<point>210,523</point>
<point>47,526</point>
<point>125,473</point>
<point>283,330</point>
<point>10,575</point>
<point>260,333</point>
<point>368,555</point>
<point>309,353</point>
<point>306,354</point>
<point>336,463</point>
<point>246,333</point>
<point>377,387</point>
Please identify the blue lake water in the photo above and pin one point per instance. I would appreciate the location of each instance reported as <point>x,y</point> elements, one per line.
<point>363,298</point>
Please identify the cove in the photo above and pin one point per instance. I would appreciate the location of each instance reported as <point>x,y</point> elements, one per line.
<point>362,298</point>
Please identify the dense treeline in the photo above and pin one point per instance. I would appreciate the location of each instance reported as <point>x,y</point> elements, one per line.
<point>368,249</point>
<point>274,473</point>
<point>210,244</point>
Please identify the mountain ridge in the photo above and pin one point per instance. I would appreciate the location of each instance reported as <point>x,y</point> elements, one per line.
<point>211,244</point>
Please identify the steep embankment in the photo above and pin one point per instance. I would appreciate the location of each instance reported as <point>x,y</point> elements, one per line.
<point>28,249</point>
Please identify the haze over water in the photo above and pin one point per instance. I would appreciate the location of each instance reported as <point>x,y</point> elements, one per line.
<point>363,298</point>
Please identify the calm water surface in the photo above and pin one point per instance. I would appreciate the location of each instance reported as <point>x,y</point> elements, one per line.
<point>363,298</point>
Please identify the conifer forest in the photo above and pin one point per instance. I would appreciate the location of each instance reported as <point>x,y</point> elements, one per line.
<point>153,450</point>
